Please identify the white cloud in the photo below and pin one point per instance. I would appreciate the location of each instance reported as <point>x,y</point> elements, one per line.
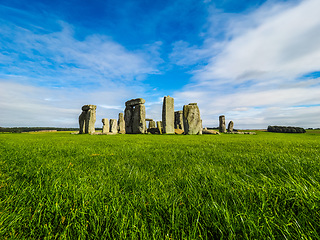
<point>47,75</point>
<point>255,75</point>
<point>58,58</point>
<point>297,107</point>
<point>25,105</point>
<point>283,45</point>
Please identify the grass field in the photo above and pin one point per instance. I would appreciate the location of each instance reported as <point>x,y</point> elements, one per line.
<point>63,186</point>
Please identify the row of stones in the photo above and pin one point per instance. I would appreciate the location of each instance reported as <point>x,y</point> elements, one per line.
<point>113,126</point>
<point>133,121</point>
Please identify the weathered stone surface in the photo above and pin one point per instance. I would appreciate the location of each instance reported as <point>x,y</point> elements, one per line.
<point>82,121</point>
<point>206,131</point>
<point>113,126</point>
<point>230,126</point>
<point>138,119</point>
<point>152,124</point>
<point>178,131</point>
<point>168,115</point>
<point>149,119</point>
<point>178,120</point>
<point>191,119</point>
<point>135,116</point>
<point>136,101</point>
<point>128,114</point>
<point>249,133</point>
<point>159,126</point>
<point>87,119</point>
<point>222,124</point>
<point>121,124</point>
<point>105,127</point>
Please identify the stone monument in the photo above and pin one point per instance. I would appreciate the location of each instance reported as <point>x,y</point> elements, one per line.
<point>105,127</point>
<point>135,115</point>
<point>113,126</point>
<point>152,124</point>
<point>168,115</point>
<point>87,119</point>
<point>222,124</point>
<point>191,119</point>
<point>230,126</point>
<point>121,124</point>
<point>178,120</point>
<point>159,126</point>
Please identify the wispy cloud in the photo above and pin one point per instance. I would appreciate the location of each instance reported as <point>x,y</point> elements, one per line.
<point>47,74</point>
<point>282,45</point>
<point>261,65</point>
<point>60,59</point>
<point>26,105</point>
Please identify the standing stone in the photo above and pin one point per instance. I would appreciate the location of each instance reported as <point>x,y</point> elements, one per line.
<point>159,126</point>
<point>128,112</point>
<point>168,115</point>
<point>82,121</point>
<point>105,127</point>
<point>191,119</point>
<point>222,124</point>
<point>113,126</point>
<point>87,119</point>
<point>138,120</point>
<point>148,120</point>
<point>152,124</point>
<point>121,124</point>
<point>230,126</point>
<point>135,115</point>
<point>178,120</point>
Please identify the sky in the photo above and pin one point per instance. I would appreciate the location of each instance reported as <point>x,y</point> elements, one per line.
<point>255,61</point>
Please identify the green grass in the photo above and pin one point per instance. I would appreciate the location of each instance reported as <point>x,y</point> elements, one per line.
<point>63,186</point>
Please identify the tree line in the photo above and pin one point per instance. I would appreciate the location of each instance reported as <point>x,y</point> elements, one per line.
<point>36,129</point>
<point>283,129</point>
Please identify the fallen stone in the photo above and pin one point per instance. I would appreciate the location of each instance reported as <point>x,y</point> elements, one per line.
<point>178,131</point>
<point>206,131</point>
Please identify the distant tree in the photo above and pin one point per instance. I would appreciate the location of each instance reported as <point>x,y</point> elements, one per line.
<point>283,129</point>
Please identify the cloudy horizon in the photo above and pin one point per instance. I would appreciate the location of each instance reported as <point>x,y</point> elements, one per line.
<point>257,62</point>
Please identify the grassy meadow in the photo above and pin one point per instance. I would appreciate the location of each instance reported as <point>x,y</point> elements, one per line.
<point>63,186</point>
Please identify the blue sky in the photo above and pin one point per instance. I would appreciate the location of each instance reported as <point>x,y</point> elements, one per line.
<point>256,62</point>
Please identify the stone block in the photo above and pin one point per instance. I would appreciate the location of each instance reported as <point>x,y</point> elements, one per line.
<point>191,119</point>
<point>222,124</point>
<point>105,127</point>
<point>113,126</point>
<point>168,115</point>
